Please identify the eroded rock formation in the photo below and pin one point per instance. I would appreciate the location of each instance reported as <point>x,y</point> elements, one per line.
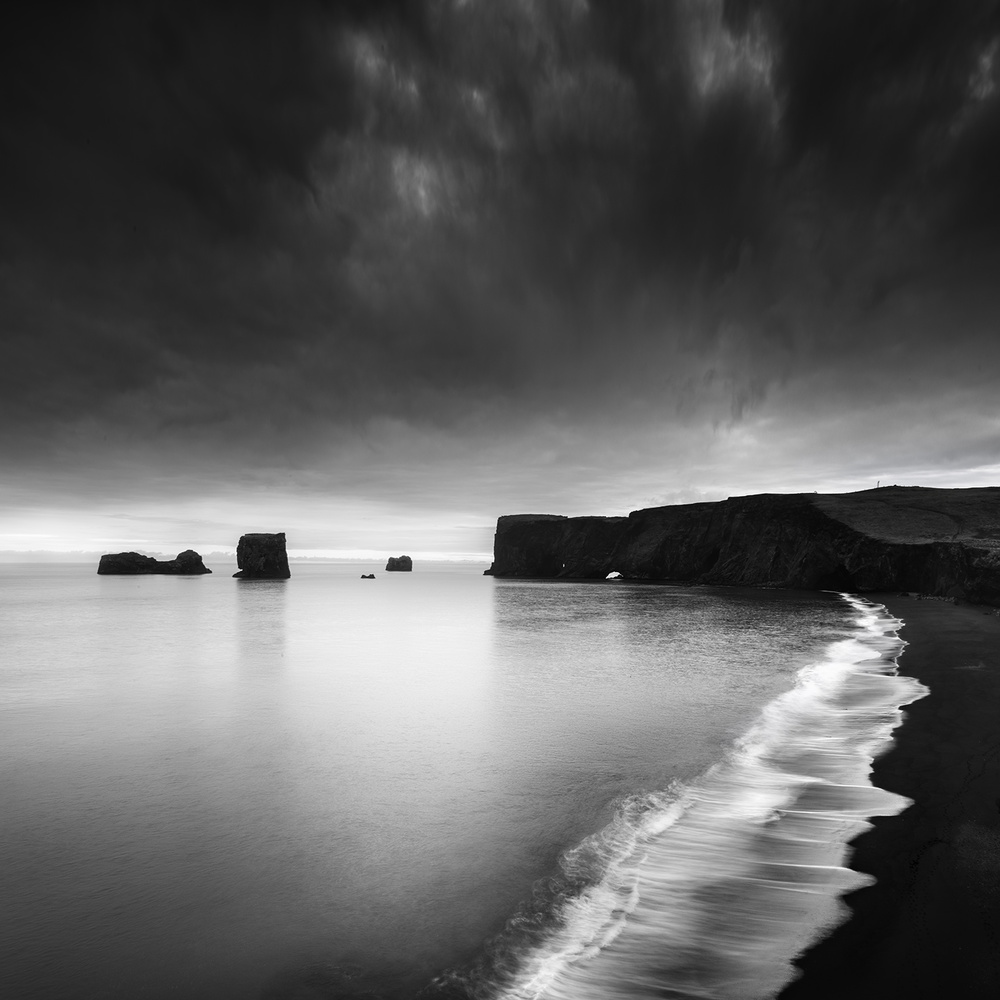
<point>932,541</point>
<point>186,563</point>
<point>399,564</point>
<point>262,556</point>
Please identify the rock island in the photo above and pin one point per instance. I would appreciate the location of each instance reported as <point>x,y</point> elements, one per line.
<point>186,563</point>
<point>262,556</point>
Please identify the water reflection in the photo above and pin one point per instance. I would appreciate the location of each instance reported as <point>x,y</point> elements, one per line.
<point>261,621</point>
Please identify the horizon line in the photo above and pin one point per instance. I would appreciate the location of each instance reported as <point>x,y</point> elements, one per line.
<point>294,555</point>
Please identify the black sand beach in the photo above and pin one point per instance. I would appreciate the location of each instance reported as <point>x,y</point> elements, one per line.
<point>930,926</point>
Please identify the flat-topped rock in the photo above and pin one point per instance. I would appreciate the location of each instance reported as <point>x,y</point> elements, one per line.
<point>399,564</point>
<point>262,556</point>
<point>186,563</point>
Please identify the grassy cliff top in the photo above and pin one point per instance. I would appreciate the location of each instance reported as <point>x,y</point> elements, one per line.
<point>917,514</point>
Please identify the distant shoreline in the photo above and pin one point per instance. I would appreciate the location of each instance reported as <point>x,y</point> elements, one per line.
<point>930,925</point>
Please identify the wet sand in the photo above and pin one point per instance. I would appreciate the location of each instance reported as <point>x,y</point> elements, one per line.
<point>930,926</point>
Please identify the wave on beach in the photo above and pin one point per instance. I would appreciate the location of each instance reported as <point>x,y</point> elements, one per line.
<point>711,888</point>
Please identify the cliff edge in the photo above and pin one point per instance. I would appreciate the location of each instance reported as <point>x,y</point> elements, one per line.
<point>943,542</point>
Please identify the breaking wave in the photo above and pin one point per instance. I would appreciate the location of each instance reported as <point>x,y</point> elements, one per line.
<point>711,888</point>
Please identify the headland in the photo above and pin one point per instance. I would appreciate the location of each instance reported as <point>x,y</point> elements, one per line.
<point>943,542</point>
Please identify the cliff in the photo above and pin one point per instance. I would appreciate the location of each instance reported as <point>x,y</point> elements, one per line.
<point>186,563</point>
<point>262,556</point>
<point>399,564</point>
<point>933,541</point>
<point>550,545</point>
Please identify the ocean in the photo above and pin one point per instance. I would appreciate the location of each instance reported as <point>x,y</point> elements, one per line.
<point>431,784</point>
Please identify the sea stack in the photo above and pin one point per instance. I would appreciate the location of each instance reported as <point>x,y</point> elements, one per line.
<point>399,564</point>
<point>262,556</point>
<point>186,563</point>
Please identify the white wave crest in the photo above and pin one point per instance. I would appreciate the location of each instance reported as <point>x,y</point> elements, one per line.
<point>711,889</point>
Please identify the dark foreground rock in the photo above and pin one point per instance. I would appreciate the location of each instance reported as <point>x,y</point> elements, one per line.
<point>186,563</point>
<point>399,564</point>
<point>262,556</point>
<point>932,541</point>
<point>367,576</point>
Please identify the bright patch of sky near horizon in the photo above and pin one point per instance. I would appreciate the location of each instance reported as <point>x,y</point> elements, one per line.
<point>374,274</point>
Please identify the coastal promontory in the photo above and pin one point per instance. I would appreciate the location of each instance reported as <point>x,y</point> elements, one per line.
<point>186,563</point>
<point>940,542</point>
<point>262,556</point>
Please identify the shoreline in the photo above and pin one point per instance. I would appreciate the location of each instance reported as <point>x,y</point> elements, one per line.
<point>930,925</point>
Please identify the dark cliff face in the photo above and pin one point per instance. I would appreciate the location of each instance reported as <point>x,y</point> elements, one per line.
<point>186,563</point>
<point>941,542</point>
<point>262,556</point>
<point>778,541</point>
<point>399,564</point>
<point>549,545</point>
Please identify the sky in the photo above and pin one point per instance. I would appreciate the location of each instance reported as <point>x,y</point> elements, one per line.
<point>374,274</point>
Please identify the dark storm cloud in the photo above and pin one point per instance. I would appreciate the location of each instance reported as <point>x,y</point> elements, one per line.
<point>235,227</point>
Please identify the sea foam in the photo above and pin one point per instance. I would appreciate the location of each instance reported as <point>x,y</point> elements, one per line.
<point>711,888</point>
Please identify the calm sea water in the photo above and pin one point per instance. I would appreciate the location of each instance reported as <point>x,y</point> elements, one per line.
<point>432,783</point>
